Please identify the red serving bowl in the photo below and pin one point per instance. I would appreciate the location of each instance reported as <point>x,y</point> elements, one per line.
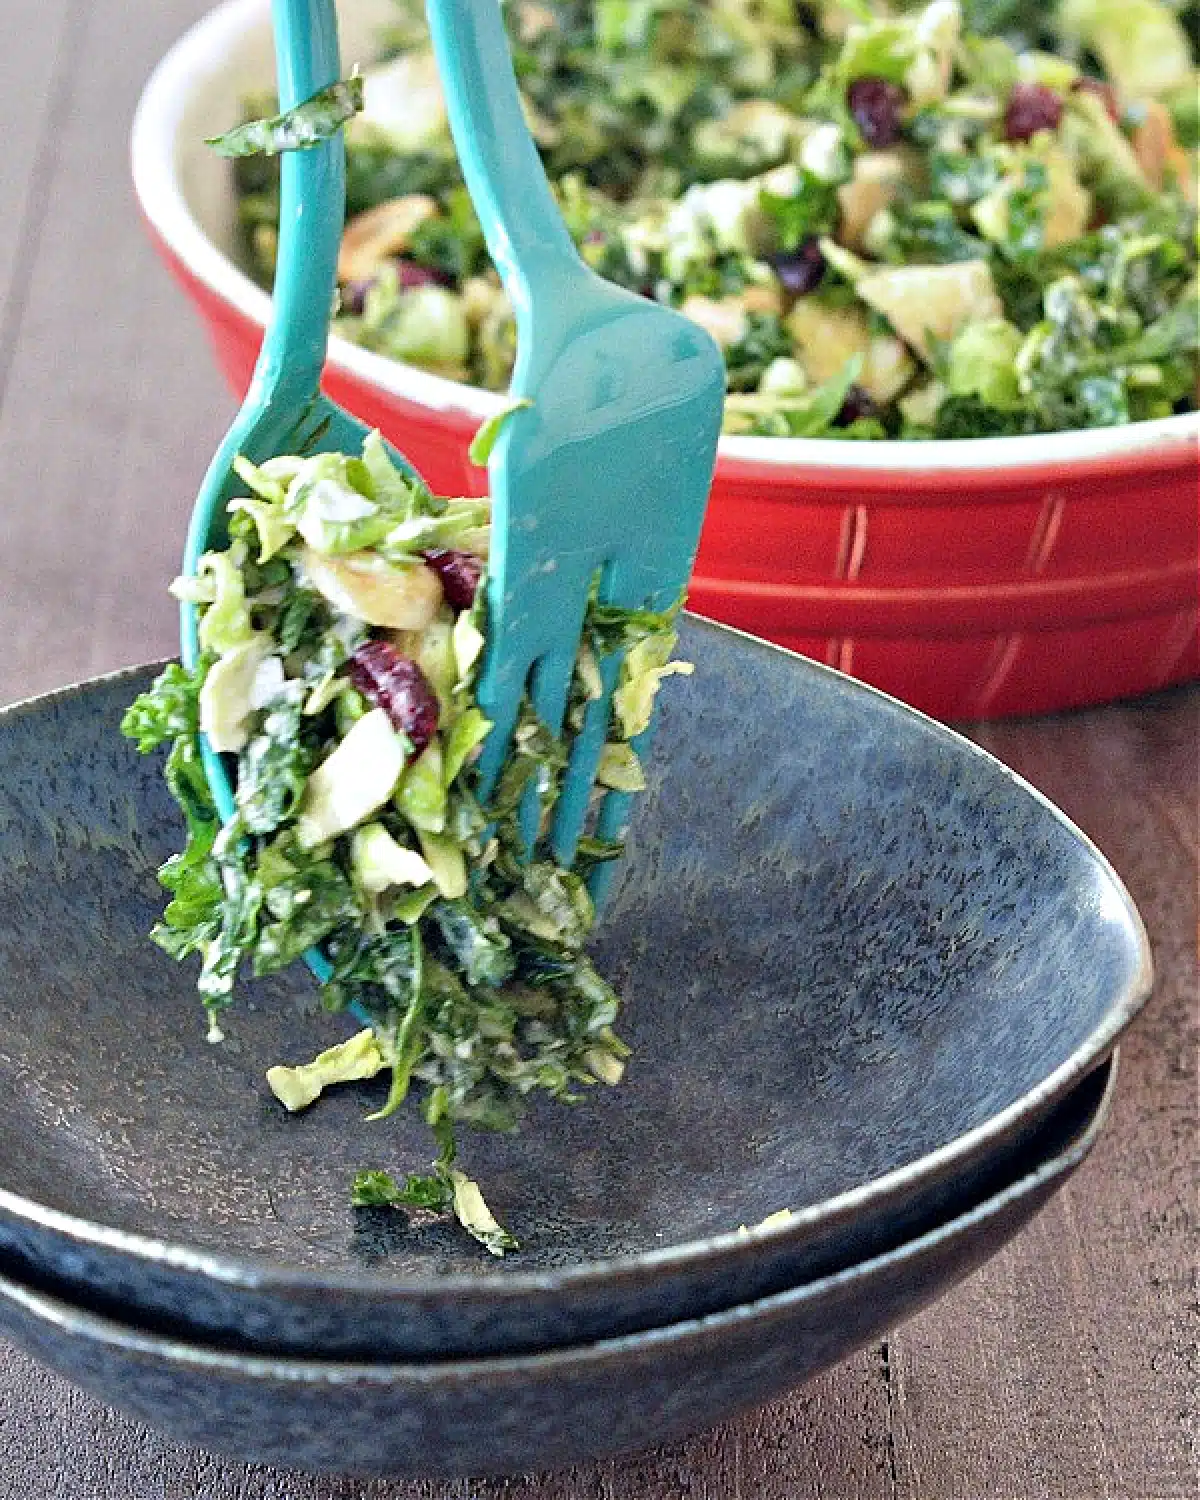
<point>972,578</point>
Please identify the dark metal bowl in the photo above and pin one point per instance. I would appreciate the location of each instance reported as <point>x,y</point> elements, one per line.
<point>563,1406</point>
<point>862,960</point>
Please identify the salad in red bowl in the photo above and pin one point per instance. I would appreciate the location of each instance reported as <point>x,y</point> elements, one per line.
<point>973,575</point>
<point>897,225</point>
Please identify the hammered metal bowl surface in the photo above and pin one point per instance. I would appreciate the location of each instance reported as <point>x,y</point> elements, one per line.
<point>862,962</point>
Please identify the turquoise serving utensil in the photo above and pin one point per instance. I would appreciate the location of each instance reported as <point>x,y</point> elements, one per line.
<point>284,410</point>
<point>607,472</point>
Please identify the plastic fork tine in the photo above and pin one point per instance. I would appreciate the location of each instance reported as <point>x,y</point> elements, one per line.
<point>503,711</point>
<point>611,823</point>
<point>551,681</point>
<point>570,813</point>
<point>518,667</point>
<point>550,687</point>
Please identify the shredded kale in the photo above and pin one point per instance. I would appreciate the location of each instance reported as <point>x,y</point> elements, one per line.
<point>275,766</point>
<point>929,233</point>
<point>451,244</point>
<point>812,413</point>
<point>699,153</point>
<point>443,1190</point>
<point>376,173</point>
<point>304,901</point>
<point>811,210</point>
<point>381,1190</point>
<point>314,120</point>
<point>765,339</point>
<point>474,942</point>
<point>168,712</point>
<point>192,918</point>
<point>958,179</point>
<point>968,416</point>
<point>303,620</point>
<point>1027,205</point>
<point>446,923</point>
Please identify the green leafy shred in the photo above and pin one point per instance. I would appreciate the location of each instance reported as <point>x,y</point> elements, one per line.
<point>444,1189</point>
<point>169,711</point>
<point>485,439</point>
<point>807,414</point>
<point>379,1189</point>
<point>360,1056</point>
<point>810,210</point>
<point>710,157</point>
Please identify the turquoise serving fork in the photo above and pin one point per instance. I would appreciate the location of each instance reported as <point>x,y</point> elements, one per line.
<point>608,470</point>
<point>284,410</point>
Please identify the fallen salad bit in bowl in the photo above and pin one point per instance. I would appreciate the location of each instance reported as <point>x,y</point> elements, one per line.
<point>895,225</point>
<point>341,631</point>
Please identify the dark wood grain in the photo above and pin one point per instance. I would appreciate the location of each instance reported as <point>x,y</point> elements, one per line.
<point>35,68</point>
<point>1075,1351</point>
<point>1061,1370</point>
<point>110,406</point>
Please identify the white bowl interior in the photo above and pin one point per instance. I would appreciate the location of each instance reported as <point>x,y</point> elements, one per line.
<point>186,194</point>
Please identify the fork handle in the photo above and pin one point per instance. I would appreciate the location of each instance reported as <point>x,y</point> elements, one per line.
<point>504,175</point>
<point>312,206</point>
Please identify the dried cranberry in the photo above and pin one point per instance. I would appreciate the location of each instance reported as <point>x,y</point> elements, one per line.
<point>392,681</point>
<point>408,275</point>
<point>800,270</point>
<point>354,295</point>
<point>875,104</point>
<point>1031,107</point>
<point>1103,91</point>
<point>460,573</point>
<point>857,404</point>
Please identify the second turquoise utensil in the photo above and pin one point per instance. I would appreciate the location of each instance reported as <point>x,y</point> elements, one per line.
<point>607,472</point>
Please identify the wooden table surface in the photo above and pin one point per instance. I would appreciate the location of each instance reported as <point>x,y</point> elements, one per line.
<point>1066,1368</point>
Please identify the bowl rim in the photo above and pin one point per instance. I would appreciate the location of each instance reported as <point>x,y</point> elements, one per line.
<point>257,1273</point>
<point>155,147</point>
<point>78,1320</point>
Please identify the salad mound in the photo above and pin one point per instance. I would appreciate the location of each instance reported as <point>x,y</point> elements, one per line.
<point>966,220</point>
<point>341,632</point>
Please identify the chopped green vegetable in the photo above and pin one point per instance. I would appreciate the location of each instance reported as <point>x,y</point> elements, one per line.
<point>1141,43</point>
<point>355,780</point>
<point>308,124</point>
<point>228,696</point>
<point>380,862</point>
<point>476,1217</point>
<point>380,1190</point>
<point>645,667</point>
<point>169,711</point>
<point>343,681</point>
<point>358,1057</point>
<point>808,183</point>
<point>981,362</point>
<point>446,1188</point>
<point>620,769</point>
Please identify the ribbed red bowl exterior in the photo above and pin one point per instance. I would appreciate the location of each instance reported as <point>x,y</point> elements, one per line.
<point>969,594</point>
